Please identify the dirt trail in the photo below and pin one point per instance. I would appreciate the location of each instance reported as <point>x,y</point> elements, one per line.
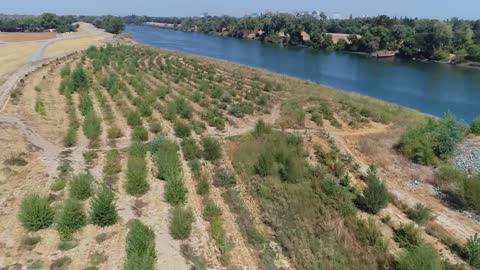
<point>48,151</point>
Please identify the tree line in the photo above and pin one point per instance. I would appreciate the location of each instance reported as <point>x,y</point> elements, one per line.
<point>411,37</point>
<point>47,21</point>
<point>41,23</point>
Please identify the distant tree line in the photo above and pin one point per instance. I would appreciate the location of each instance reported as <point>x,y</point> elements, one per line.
<point>29,23</point>
<point>412,37</point>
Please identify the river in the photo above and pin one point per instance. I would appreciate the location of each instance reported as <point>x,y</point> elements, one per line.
<point>428,87</point>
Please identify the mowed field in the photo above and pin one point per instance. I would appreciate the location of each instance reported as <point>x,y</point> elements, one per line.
<point>12,56</point>
<point>21,37</point>
<point>65,46</point>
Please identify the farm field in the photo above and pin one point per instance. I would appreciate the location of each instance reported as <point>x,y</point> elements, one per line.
<point>130,157</point>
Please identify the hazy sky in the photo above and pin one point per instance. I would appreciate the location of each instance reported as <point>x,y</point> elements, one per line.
<point>412,8</point>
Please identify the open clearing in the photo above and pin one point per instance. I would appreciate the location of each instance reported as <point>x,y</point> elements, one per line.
<point>21,37</point>
<point>12,56</point>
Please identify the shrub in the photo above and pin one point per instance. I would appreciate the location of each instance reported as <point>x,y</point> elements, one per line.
<point>203,187</point>
<point>408,236</point>
<point>223,178</point>
<point>375,196</point>
<point>136,176</point>
<point>475,126</point>
<point>420,214</point>
<point>112,164</point>
<point>72,218</point>
<point>155,127</point>
<point>261,128</point>
<point>472,251</point>
<point>441,54</point>
<point>211,149</point>
<point>81,187</point>
<point>79,79</point>
<point>114,132</point>
<point>86,104</point>
<point>265,164</point>
<point>70,138</point>
<point>181,223</point>
<point>103,211</point>
<point>183,108</point>
<point>211,211</point>
<point>182,130</point>
<point>140,134</point>
<point>133,119</point>
<point>36,213</point>
<point>190,149</point>
<point>65,71</point>
<point>168,163</point>
<point>422,257</point>
<point>58,184</point>
<point>175,192</point>
<point>196,168</point>
<point>140,248</point>
<point>92,127</point>
<point>218,234</point>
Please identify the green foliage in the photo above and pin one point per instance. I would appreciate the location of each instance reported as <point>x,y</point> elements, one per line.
<point>86,105</point>
<point>112,164</point>
<point>39,106</point>
<point>375,196</point>
<point>140,248</point>
<point>182,130</point>
<point>436,137</point>
<point>175,191</point>
<point>103,211</point>
<point>65,71</point>
<point>166,156</point>
<point>265,165</point>
<point>211,149</point>
<point>36,213</point>
<point>211,211</point>
<point>181,223</point>
<point>408,236</point>
<point>114,132</point>
<point>420,214</point>
<point>79,79</point>
<point>58,184</point>
<point>72,218</point>
<point>472,250</point>
<point>112,24</point>
<point>70,138</point>
<point>140,134</point>
<point>92,126</point>
<point>190,149</point>
<point>81,187</point>
<point>421,257</point>
<point>464,187</point>
<point>136,175</point>
<point>203,187</point>
<point>261,128</point>
<point>133,119</point>
<point>475,126</point>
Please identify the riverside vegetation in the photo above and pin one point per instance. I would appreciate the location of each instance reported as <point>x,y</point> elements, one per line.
<point>251,167</point>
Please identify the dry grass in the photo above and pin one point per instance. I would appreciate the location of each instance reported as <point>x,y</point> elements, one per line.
<point>65,46</point>
<point>12,56</point>
<point>19,36</point>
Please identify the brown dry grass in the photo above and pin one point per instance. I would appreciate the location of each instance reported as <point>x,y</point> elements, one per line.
<point>20,36</point>
<point>65,46</point>
<point>12,56</point>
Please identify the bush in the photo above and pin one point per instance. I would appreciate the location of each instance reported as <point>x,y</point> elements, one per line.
<point>114,132</point>
<point>65,71</point>
<point>265,164</point>
<point>441,54</point>
<point>422,257</point>
<point>203,187</point>
<point>261,128</point>
<point>181,223</point>
<point>475,126</point>
<point>375,196</point>
<point>464,187</point>
<point>408,236</point>
<point>112,164</point>
<point>196,168</point>
<point>211,211</point>
<point>211,149</point>
<point>36,213</point>
<point>140,248</point>
<point>175,192</point>
<point>182,130</point>
<point>58,185</point>
<point>133,119</point>
<point>136,176</point>
<point>155,127</point>
<point>436,138</point>
<point>103,210</point>
<point>190,149</point>
<point>472,251</point>
<point>79,79</point>
<point>70,138</point>
<point>81,187</point>
<point>86,104</point>
<point>140,134</point>
<point>420,214</point>
<point>72,218</point>
<point>168,163</point>
<point>92,127</point>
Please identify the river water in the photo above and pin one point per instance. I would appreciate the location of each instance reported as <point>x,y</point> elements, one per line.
<point>428,87</point>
